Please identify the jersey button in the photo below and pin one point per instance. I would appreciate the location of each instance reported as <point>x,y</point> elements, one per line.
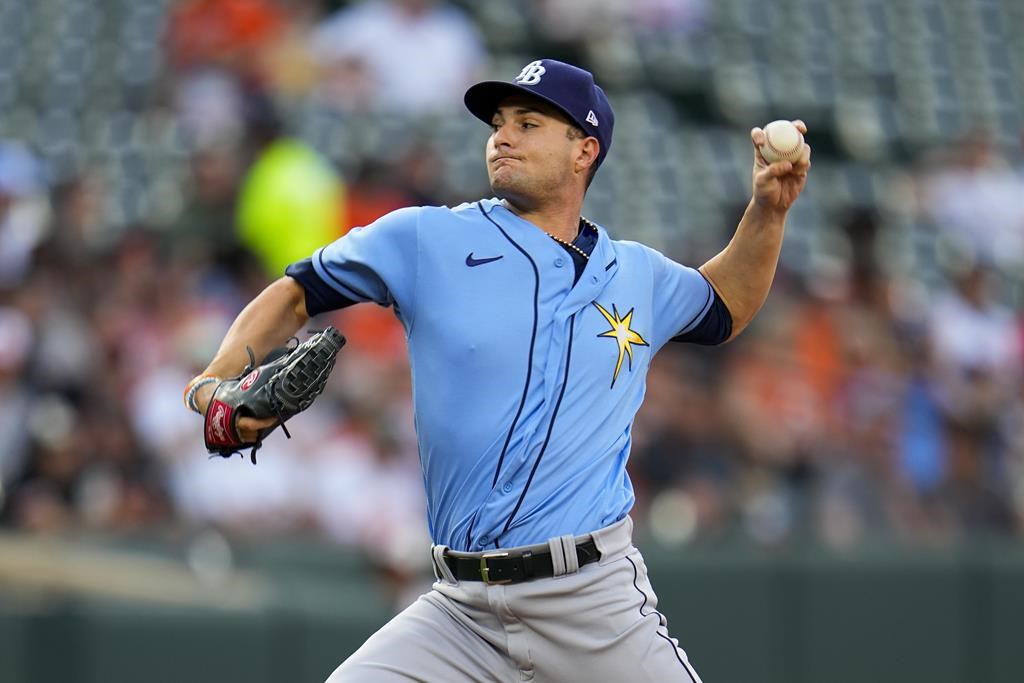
<point>507,488</point>
<point>559,262</point>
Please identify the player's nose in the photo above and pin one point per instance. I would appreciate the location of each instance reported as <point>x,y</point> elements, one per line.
<point>502,135</point>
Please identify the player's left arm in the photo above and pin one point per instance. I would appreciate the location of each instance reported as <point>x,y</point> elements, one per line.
<point>742,273</point>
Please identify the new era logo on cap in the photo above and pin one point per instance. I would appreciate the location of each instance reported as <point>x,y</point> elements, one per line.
<point>569,88</point>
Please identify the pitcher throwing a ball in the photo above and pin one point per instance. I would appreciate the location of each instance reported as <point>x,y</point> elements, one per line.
<point>530,335</point>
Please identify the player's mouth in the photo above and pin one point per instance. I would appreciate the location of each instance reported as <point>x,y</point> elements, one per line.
<point>497,161</point>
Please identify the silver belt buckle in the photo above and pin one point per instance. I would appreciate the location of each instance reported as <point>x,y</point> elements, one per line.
<point>485,571</point>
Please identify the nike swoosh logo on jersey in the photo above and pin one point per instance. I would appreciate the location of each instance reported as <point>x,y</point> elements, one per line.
<point>474,262</point>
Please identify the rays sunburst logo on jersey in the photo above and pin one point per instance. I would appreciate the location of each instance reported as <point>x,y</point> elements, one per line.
<point>623,334</point>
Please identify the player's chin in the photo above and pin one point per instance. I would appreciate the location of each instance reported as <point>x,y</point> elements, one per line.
<point>504,181</point>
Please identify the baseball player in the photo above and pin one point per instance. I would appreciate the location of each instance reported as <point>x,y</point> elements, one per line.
<point>530,335</point>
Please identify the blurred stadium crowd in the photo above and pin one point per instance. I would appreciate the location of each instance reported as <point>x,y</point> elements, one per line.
<point>162,161</point>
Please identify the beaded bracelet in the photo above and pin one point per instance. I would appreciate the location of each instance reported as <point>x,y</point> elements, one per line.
<point>193,386</point>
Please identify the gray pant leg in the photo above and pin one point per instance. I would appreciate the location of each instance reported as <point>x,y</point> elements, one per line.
<point>431,641</point>
<point>600,624</point>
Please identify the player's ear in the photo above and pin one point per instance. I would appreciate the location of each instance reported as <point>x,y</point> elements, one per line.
<point>587,155</point>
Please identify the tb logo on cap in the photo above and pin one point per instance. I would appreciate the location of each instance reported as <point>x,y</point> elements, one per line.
<point>531,73</point>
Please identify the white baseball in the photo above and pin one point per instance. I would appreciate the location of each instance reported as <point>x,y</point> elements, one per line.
<point>782,142</point>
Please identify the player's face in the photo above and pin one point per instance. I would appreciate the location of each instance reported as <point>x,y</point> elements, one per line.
<point>530,153</point>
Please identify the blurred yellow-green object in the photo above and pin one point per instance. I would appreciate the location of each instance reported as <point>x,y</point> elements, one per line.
<point>290,204</point>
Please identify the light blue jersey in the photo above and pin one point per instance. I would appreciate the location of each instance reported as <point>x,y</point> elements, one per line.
<point>524,386</point>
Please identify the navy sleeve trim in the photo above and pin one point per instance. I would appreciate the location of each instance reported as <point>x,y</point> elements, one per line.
<point>356,297</point>
<point>320,296</point>
<point>714,328</point>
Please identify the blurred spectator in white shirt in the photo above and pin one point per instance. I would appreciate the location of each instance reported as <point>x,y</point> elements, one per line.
<point>976,349</point>
<point>977,200</point>
<point>402,55</point>
<point>974,335</point>
<point>976,345</point>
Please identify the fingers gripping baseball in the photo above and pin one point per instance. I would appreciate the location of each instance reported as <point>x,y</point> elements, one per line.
<point>781,162</point>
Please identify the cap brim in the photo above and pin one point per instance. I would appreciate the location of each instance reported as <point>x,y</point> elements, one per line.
<point>483,99</point>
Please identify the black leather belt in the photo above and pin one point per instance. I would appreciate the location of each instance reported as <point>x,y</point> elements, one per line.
<point>500,567</point>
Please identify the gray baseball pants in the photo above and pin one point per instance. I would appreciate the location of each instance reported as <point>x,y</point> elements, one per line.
<point>597,623</point>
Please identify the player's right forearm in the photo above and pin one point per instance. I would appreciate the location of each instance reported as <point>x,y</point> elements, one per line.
<point>265,324</point>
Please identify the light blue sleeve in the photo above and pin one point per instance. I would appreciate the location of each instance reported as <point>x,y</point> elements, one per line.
<point>376,263</point>
<point>682,297</point>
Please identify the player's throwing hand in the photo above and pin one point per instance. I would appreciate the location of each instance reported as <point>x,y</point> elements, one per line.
<point>777,185</point>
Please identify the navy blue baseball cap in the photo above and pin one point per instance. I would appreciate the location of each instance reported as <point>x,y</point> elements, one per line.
<point>568,88</point>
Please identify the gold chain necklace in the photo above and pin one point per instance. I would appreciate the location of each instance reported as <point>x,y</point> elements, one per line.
<point>584,224</point>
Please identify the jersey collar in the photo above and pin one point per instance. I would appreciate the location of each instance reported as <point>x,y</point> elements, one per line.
<point>600,268</point>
